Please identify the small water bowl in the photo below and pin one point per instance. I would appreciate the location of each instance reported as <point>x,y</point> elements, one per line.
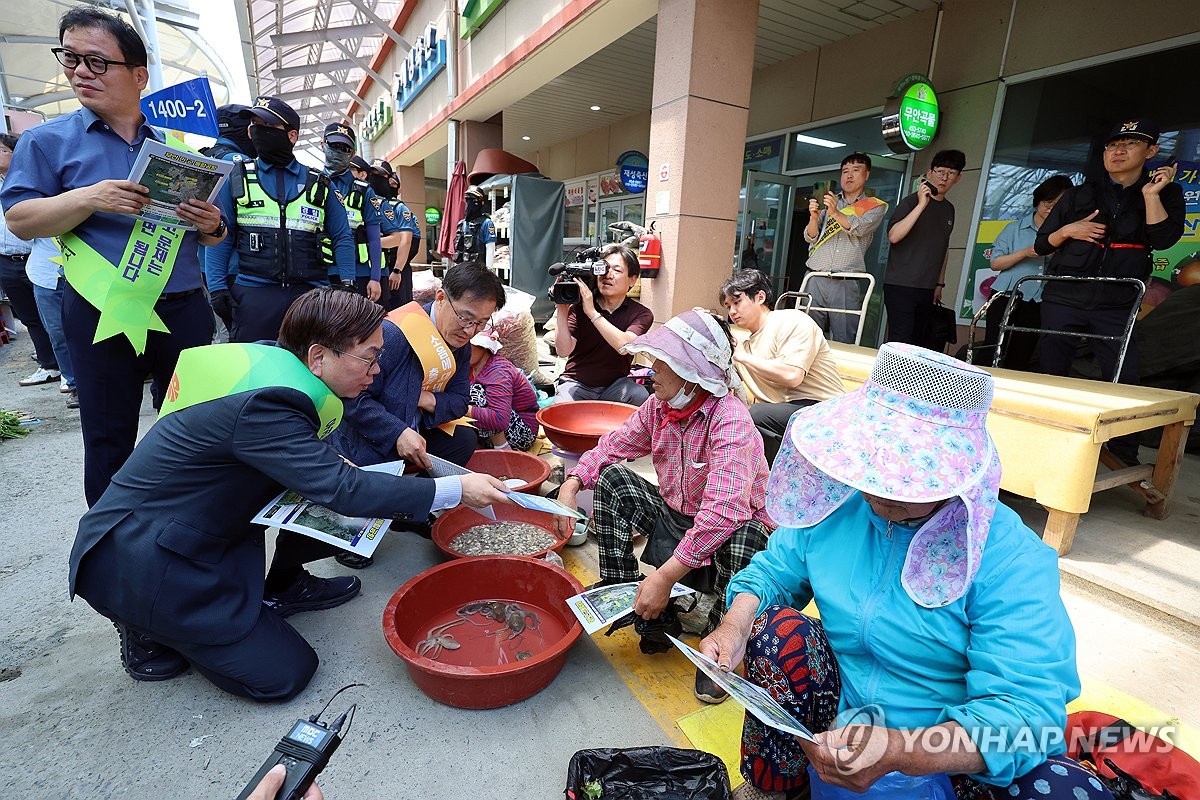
<point>525,470</point>
<point>459,519</point>
<point>577,426</point>
<point>481,665</point>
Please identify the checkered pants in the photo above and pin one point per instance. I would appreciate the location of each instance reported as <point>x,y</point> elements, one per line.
<point>626,502</point>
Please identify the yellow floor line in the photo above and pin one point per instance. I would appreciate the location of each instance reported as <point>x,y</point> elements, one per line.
<point>662,683</point>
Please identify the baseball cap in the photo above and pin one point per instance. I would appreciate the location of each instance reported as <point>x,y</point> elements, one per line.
<point>341,133</point>
<point>1137,128</point>
<point>234,114</point>
<point>274,111</point>
<point>358,162</point>
<point>383,166</point>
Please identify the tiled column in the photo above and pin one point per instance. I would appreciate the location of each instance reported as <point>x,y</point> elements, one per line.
<point>412,192</point>
<point>703,65</point>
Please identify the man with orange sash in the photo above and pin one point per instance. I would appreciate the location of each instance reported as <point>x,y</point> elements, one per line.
<point>423,385</point>
<point>134,297</point>
<point>840,228</point>
<point>169,553</point>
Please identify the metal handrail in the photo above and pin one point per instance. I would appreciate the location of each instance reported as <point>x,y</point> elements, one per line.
<point>861,312</point>
<point>803,301</point>
<point>972,344</point>
<point>1005,328</point>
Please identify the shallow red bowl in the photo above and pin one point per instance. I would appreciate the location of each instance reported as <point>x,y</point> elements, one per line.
<point>577,426</point>
<point>426,596</point>
<point>512,464</point>
<point>457,520</point>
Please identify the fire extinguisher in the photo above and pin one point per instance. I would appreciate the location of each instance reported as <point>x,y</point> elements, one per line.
<point>650,252</point>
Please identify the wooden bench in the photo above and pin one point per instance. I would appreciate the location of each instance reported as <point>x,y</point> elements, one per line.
<point>1049,431</point>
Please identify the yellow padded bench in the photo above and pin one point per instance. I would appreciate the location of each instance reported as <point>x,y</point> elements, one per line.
<point>1049,431</point>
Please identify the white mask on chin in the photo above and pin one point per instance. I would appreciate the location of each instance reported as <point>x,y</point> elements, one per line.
<point>682,398</point>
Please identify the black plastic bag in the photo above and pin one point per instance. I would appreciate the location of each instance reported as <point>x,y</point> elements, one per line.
<point>646,773</point>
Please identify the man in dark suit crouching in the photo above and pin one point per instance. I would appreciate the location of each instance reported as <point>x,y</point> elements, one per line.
<point>169,553</point>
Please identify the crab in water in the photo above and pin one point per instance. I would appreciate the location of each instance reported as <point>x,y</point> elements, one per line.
<point>438,639</point>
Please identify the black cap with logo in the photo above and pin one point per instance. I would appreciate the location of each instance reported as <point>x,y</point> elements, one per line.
<point>341,133</point>
<point>274,111</point>
<point>1142,129</point>
<point>232,115</point>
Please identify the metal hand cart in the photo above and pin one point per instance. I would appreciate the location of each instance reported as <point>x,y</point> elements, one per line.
<point>860,312</point>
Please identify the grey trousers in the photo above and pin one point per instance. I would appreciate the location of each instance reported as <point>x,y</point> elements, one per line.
<point>835,293</point>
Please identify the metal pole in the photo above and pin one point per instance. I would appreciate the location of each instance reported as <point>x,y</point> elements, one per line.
<point>144,18</point>
<point>451,95</point>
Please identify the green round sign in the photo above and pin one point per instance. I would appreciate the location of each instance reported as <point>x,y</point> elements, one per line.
<point>919,116</point>
<point>432,216</point>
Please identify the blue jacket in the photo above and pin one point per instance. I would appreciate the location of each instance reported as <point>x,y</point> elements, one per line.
<point>374,420</point>
<point>1000,661</point>
<point>170,548</point>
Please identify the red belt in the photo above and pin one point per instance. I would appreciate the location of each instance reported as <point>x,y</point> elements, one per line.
<point>1117,246</point>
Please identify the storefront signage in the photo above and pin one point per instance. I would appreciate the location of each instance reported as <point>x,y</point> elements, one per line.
<point>763,150</point>
<point>378,120</point>
<point>475,14</point>
<point>432,216</point>
<point>635,168</point>
<point>420,67</point>
<point>911,115</point>
<point>576,192</point>
<point>610,184</point>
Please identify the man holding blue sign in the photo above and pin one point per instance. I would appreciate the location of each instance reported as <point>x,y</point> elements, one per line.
<point>69,180</point>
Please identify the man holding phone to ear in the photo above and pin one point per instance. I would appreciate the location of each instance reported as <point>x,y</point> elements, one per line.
<point>919,232</point>
<point>1107,227</point>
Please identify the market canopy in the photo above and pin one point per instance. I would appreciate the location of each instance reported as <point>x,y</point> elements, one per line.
<point>31,80</point>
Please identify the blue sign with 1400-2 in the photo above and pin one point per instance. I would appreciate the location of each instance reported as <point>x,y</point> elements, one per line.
<point>187,106</point>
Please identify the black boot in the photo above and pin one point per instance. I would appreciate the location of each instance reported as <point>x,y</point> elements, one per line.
<point>147,660</point>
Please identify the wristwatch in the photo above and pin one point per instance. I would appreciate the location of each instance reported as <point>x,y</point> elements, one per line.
<point>220,231</point>
<point>396,271</point>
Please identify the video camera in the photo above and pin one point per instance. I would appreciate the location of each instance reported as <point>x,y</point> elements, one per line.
<point>589,266</point>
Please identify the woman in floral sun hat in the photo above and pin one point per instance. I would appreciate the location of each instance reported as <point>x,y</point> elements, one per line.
<point>943,648</point>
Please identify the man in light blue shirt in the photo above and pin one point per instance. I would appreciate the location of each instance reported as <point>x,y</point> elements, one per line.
<point>69,179</point>
<point>1013,257</point>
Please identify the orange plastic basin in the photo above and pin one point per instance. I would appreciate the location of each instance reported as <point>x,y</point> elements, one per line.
<point>512,464</point>
<point>577,426</point>
<point>457,520</point>
<point>406,621</point>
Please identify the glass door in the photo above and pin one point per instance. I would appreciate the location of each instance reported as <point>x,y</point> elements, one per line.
<point>627,209</point>
<point>764,225</point>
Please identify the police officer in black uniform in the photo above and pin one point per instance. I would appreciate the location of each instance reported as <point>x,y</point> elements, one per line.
<point>351,187</point>
<point>279,211</point>
<point>475,239</point>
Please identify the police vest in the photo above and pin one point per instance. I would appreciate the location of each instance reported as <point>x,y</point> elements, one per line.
<point>467,246</point>
<point>354,203</point>
<point>281,244</point>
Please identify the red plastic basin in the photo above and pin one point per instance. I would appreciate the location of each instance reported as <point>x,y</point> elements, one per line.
<point>512,464</point>
<point>428,595</point>
<point>577,426</point>
<point>457,520</point>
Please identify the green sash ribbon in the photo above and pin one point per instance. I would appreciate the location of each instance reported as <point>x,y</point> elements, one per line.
<point>221,370</point>
<point>125,295</point>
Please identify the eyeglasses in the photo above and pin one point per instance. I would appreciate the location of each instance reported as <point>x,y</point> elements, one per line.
<point>1123,146</point>
<point>97,65</point>
<point>370,362</point>
<point>467,323</point>
<point>944,174</point>
<point>340,147</point>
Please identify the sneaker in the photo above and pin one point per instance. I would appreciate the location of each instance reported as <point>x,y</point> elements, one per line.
<point>310,593</point>
<point>708,691</point>
<point>748,791</point>
<point>41,376</point>
<point>73,399</point>
<point>354,560</point>
<point>64,388</point>
<point>147,660</point>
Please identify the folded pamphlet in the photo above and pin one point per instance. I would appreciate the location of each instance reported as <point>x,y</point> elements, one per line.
<point>598,607</point>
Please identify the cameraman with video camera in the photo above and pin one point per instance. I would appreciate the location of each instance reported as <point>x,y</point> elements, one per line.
<point>592,331</point>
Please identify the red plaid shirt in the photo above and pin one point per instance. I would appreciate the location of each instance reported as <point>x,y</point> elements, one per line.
<point>710,467</point>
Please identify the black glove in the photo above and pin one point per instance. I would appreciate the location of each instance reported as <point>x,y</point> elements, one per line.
<point>222,304</point>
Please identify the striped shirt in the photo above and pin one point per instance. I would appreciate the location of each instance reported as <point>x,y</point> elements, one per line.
<point>710,467</point>
<point>846,250</point>
<point>10,245</point>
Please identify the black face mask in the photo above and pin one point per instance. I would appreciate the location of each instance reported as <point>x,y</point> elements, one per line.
<point>382,186</point>
<point>273,145</point>
<point>473,207</point>
<point>239,136</point>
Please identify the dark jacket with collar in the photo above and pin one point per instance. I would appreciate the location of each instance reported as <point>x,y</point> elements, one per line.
<point>1125,251</point>
<point>170,548</point>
